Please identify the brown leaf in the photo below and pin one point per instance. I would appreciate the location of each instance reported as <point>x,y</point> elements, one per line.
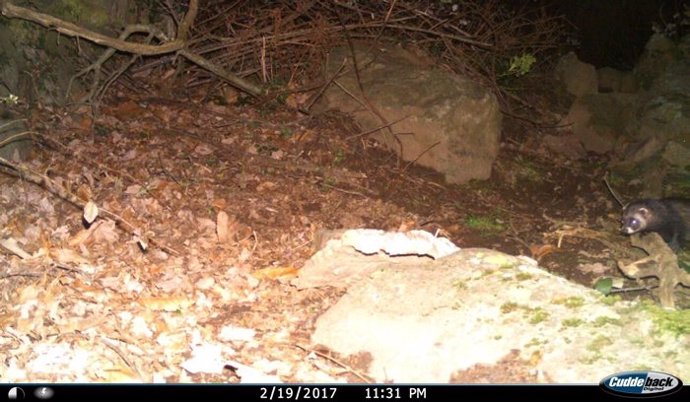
<point>129,110</point>
<point>84,192</point>
<point>169,303</point>
<point>219,203</point>
<point>275,273</point>
<point>222,221</point>
<point>541,250</point>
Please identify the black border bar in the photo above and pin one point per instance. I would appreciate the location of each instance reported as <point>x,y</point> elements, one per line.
<point>317,392</point>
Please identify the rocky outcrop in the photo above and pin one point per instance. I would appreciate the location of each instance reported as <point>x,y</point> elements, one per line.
<point>436,118</point>
<point>641,116</point>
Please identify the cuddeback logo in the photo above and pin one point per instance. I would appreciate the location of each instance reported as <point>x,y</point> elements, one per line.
<point>641,384</point>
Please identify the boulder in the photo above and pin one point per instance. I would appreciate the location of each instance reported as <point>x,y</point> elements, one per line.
<point>438,119</point>
<point>580,78</point>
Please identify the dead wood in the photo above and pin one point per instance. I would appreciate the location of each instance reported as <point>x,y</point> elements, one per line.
<point>166,45</point>
<point>661,263</point>
<point>52,186</point>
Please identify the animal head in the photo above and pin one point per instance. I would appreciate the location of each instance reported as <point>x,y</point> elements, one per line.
<point>634,218</point>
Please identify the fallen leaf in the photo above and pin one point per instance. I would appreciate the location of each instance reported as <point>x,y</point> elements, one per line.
<point>172,303</point>
<point>90,211</point>
<point>275,272</point>
<point>84,192</point>
<point>233,333</point>
<point>67,256</point>
<point>222,227</point>
<point>266,185</point>
<point>542,250</point>
<point>219,203</point>
<point>203,150</point>
<point>12,246</point>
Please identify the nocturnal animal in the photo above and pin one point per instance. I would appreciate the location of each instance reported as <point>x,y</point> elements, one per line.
<point>669,217</point>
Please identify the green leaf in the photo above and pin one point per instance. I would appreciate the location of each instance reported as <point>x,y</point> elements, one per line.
<point>604,286</point>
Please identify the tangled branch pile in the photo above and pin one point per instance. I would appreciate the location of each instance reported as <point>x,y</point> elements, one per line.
<point>285,41</point>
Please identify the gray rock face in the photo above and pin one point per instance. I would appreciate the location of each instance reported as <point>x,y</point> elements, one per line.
<point>446,122</point>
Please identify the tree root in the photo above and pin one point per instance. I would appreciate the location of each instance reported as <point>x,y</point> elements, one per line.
<point>661,263</point>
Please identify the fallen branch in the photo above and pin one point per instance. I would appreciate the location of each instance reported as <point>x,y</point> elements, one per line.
<point>50,185</point>
<point>661,263</point>
<point>9,10</point>
<point>167,46</point>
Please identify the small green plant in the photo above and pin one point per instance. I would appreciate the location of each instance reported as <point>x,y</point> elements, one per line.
<point>487,225</point>
<point>527,169</point>
<point>9,100</point>
<point>328,183</point>
<point>338,157</point>
<point>521,65</point>
<point>285,133</point>
<point>604,286</point>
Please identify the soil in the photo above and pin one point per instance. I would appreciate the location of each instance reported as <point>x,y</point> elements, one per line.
<point>172,170</point>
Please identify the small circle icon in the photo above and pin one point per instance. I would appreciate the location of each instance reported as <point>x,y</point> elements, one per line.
<point>43,393</point>
<point>15,393</point>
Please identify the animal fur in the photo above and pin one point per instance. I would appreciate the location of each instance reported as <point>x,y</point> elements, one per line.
<point>669,217</point>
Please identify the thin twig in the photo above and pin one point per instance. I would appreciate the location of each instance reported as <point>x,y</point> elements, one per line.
<point>361,376</point>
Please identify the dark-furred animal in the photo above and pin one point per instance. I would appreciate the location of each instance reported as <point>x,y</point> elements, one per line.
<point>669,217</point>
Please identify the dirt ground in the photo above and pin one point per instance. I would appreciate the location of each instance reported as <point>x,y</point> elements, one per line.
<point>229,202</point>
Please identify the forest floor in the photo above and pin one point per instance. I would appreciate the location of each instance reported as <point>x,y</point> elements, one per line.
<point>229,202</point>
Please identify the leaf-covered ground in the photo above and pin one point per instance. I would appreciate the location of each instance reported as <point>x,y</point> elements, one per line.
<point>218,207</point>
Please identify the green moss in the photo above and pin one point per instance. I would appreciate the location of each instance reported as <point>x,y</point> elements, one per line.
<point>571,302</point>
<point>673,322</point>
<point>536,342</point>
<point>509,307</point>
<point>604,320</point>
<point>80,11</point>
<point>591,359</point>
<point>610,300</point>
<point>523,276</point>
<point>572,322</point>
<point>503,261</point>
<point>487,272</point>
<point>599,343</point>
<point>459,284</point>
<point>538,315</point>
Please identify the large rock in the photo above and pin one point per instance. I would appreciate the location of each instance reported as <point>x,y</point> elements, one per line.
<point>446,122</point>
<point>612,80</point>
<point>580,78</point>
<point>637,113</point>
<point>601,121</point>
<point>423,320</point>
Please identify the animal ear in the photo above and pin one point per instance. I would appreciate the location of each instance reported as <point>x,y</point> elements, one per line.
<point>644,211</point>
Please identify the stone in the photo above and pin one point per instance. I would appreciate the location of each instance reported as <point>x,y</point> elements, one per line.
<point>580,78</point>
<point>440,120</point>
